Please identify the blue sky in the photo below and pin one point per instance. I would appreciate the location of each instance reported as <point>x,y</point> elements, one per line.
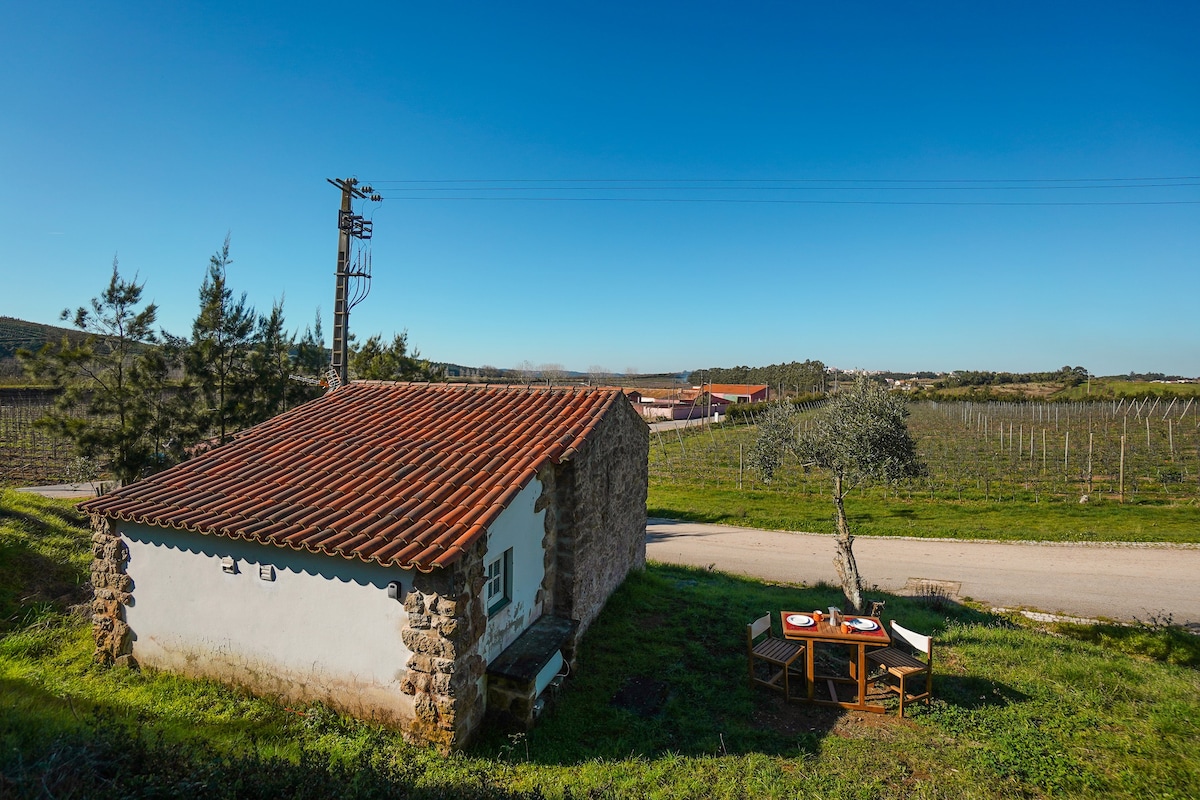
<point>908,140</point>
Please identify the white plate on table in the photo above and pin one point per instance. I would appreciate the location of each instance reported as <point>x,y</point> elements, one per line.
<point>860,624</point>
<point>800,620</point>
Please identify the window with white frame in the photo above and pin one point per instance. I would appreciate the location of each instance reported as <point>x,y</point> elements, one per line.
<point>498,589</point>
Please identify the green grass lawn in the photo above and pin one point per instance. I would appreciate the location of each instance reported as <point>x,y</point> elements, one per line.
<point>874,515</point>
<point>658,708</point>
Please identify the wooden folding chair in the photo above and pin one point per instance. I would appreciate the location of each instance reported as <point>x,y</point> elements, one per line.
<point>780,656</point>
<point>898,663</point>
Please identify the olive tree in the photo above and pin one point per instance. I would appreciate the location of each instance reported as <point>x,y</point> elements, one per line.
<point>860,437</point>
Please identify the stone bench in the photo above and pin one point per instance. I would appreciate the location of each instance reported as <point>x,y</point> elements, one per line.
<point>519,676</point>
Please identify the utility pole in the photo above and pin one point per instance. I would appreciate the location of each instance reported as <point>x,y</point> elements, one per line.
<point>353,283</point>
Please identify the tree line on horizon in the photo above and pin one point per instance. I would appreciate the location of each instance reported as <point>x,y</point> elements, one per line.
<point>134,399</point>
<point>801,377</point>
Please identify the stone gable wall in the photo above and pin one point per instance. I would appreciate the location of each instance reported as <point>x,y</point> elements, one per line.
<point>599,514</point>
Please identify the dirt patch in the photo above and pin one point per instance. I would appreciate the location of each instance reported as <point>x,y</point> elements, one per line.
<point>642,696</point>
<point>792,719</point>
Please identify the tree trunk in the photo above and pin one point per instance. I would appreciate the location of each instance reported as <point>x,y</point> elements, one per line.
<point>843,559</point>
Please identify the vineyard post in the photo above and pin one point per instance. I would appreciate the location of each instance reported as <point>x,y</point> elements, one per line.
<point>1089,471</point>
<point>1122,468</point>
<point>741,445</point>
<point>1148,431</point>
<point>1066,449</point>
<point>1043,451</point>
<point>1171,438</point>
<point>666,457</point>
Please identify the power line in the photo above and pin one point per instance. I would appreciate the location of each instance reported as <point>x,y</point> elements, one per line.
<point>783,188</point>
<point>786,202</point>
<point>751,190</point>
<point>788,180</point>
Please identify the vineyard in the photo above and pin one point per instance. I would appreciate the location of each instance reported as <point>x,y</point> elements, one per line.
<point>983,455</point>
<point>29,455</point>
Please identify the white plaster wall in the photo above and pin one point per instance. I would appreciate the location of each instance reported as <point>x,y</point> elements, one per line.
<point>323,629</point>
<point>522,529</point>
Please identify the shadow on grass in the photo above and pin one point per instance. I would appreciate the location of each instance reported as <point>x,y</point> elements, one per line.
<point>1159,640</point>
<point>972,692</point>
<point>33,580</point>
<point>103,754</point>
<point>663,672</point>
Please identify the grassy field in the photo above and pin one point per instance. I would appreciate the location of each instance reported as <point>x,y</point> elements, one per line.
<point>996,471</point>
<point>659,708</point>
<point>872,514</point>
<point>1116,387</point>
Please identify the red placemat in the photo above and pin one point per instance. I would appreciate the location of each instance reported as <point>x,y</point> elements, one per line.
<point>878,633</point>
<point>787,626</point>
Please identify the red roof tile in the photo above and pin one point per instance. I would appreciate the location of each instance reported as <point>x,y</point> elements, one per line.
<point>404,474</point>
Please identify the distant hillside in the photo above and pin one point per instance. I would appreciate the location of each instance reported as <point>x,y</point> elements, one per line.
<point>17,333</point>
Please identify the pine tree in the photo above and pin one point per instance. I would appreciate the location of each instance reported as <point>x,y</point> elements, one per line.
<point>270,364</point>
<point>374,361</point>
<point>109,381</point>
<point>221,343</point>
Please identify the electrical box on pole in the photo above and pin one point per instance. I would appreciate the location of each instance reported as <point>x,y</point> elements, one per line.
<point>353,277</point>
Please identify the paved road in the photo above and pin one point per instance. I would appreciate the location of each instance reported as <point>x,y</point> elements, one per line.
<point>672,424</point>
<point>1117,582</point>
<point>69,491</point>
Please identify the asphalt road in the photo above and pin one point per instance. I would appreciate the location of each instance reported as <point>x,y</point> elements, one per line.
<point>1120,582</point>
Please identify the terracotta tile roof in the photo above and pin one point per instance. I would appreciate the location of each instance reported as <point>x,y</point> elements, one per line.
<point>395,473</point>
<point>735,388</point>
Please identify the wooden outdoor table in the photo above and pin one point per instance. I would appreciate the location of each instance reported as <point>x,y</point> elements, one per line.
<point>859,641</point>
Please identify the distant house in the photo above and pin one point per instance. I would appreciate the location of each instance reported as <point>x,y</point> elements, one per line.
<point>665,404</point>
<point>409,553</point>
<point>739,392</point>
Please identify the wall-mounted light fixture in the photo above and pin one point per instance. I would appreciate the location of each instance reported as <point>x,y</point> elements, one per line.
<point>266,572</point>
<point>396,591</point>
<point>229,565</point>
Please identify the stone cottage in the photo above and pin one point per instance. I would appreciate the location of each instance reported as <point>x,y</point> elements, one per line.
<point>407,553</point>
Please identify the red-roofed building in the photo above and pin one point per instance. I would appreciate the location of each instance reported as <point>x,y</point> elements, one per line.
<point>739,392</point>
<point>410,553</point>
<point>664,404</point>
